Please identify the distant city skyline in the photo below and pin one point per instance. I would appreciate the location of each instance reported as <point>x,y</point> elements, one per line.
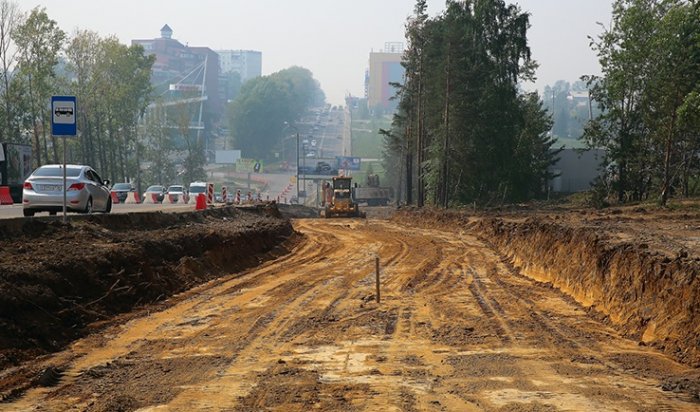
<point>331,38</point>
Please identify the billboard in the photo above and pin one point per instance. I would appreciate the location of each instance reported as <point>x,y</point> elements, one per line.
<point>348,163</point>
<point>229,157</point>
<point>318,168</point>
<point>249,166</point>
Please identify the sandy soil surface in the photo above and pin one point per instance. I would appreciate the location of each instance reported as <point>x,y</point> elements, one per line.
<point>457,329</point>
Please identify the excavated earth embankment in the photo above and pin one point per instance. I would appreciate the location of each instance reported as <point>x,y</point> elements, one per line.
<point>60,281</point>
<point>635,268</point>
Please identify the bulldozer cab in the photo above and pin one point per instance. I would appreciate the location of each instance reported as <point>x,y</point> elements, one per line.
<point>342,185</point>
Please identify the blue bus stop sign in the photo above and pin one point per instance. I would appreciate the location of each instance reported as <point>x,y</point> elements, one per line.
<point>63,116</point>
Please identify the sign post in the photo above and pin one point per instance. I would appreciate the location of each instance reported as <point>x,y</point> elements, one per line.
<point>63,124</point>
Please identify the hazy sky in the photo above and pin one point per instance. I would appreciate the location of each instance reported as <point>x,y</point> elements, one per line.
<point>332,38</point>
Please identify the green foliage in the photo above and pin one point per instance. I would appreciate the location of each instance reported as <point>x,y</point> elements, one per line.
<point>112,85</point>
<point>258,115</point>
<point>158,148</point>
<point>38,41</point>
<point>650,60</point>
<point>462,129</point>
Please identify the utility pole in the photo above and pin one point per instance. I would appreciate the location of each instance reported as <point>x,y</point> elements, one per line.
<point>297,165</point>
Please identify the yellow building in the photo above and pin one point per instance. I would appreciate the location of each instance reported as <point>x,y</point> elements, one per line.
<point>384,68</point>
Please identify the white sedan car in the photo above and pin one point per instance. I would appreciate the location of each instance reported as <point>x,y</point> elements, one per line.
<point>87,192</point>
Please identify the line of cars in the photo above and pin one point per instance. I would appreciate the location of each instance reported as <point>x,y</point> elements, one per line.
<point>158,192</point>
<point>87,192</point>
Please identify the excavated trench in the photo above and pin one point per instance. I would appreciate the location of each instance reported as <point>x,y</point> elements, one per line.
<point>644,290</point>
<point>59,282</point>
<point>461,324</point>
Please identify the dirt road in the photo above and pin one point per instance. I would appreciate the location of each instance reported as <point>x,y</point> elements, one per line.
<point>457,330</point>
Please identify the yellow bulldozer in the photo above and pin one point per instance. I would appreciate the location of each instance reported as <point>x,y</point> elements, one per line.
<point>338,199</point>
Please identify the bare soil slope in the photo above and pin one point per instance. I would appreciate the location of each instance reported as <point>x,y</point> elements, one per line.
<point>56,280</point>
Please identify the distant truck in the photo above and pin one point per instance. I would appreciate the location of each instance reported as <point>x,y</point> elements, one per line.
<point>372,193</point>
<point>15,167</point>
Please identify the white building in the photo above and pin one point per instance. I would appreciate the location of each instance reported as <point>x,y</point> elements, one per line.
<point>247,63</point>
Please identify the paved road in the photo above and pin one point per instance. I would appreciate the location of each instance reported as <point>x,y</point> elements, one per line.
<point>7,211</point>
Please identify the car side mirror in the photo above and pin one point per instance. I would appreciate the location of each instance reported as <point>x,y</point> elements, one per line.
<point>106,182</point>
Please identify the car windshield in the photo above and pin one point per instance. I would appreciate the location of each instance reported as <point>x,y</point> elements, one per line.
<point>197,189</point>
<point>175,189</point>
<point>122,186</point>
<point>155,189</point>
<point>57,171</point>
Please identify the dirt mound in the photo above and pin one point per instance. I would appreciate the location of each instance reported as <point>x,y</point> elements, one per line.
<point>605,262</point>
<point>56,279</point>
<point>298,211</point>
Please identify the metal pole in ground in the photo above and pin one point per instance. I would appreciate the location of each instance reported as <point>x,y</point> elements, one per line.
<point>376,261</point>
<point>65,189</point>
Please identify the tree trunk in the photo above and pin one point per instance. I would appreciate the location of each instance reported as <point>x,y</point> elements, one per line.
<point>421,142</point>
<point>666,187</point>
<point>446,147</point>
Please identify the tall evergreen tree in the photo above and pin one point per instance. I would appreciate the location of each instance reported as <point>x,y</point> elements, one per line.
<point>477,138</point>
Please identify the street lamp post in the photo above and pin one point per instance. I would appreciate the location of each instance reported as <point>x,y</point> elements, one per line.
<point>297,164</point>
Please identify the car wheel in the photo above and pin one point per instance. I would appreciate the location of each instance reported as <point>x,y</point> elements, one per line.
<point>88,206</point>
<point>109,206</point>
<point>28,212</point>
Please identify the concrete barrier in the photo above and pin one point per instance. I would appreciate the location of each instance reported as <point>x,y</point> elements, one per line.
<point>151,198</point>
<point>132,198</point>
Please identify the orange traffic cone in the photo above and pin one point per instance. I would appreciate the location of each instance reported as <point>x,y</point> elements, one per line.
<point>201,202</point>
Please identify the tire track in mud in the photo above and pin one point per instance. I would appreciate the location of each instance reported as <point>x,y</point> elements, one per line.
<point>304,333</point>
<point>293,318</point>
<point>562,338</point>
<point>491,309</point>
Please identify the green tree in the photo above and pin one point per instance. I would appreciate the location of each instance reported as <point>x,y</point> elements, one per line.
<point>10,19</point>
<point>182,115</point>
<point>258,116</point>
<point>650,59</point>
<point>476,138</point>
<point>159,147</point>
<point>39,41</point>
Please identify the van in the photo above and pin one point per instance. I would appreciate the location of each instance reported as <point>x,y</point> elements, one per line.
<point>197,188</point>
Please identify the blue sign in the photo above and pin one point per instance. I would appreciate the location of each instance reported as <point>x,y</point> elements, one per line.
<point>348,163</point>
<point>63,115</point>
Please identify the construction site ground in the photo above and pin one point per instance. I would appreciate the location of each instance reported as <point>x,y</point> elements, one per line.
<point>292,323</point>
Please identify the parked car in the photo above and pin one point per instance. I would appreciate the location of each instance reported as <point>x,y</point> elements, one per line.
<point>176,191</point>
<point>122,190</point>
<point>157,190</point>
<point>86,193</point>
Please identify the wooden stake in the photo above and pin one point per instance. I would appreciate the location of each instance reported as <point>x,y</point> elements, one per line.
<point>376,261</point>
